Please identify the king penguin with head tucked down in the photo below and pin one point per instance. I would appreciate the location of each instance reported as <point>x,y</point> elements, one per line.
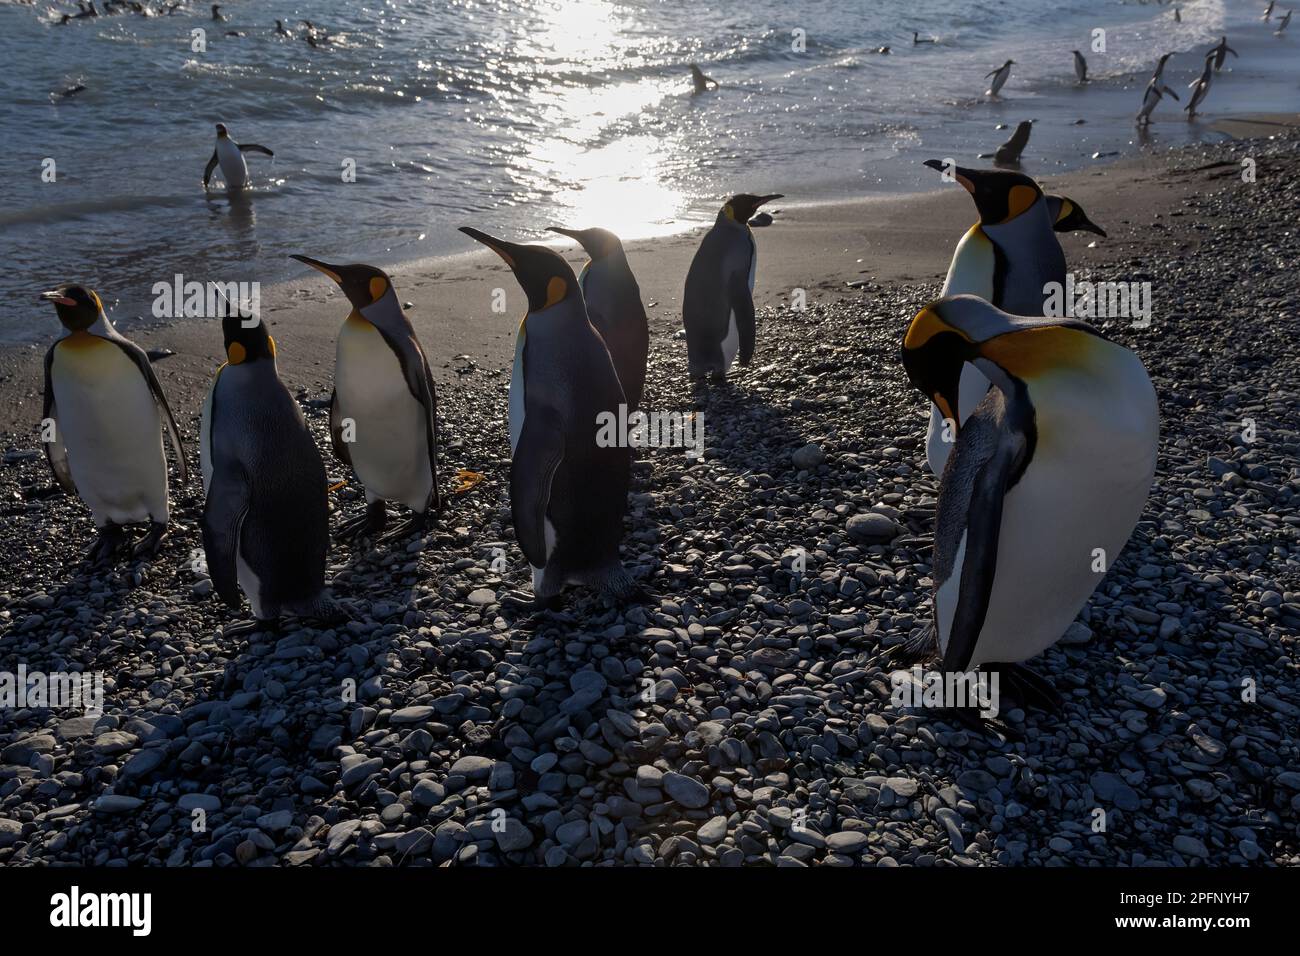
<point>1006,259</point>
<point>614,306</point>
<point>1047,479</point>
<point>106,411</point>
<point>266,519</point>
<point>718,303</point>
<point>383,414</point>
<point>568,488</point>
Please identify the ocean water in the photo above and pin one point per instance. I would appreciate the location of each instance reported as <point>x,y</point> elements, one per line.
<point>517,114</point>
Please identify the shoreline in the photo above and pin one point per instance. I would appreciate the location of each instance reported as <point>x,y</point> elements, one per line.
<point>818,246</point>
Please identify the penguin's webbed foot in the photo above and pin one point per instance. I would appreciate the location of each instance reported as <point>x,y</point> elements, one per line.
<point>241,628</point>
<point>973,720</point>
<point>108,543</point>
<point>416,524</point>
<point>369,523</point>
<point>1027,688</point>
<point>147,547</point>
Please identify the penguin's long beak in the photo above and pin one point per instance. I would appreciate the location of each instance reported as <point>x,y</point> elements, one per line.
<point>575,234</point>
<point>762,200</point>
<point>964,176</point>
<point>58,298</point>
<point>325,267</point>
<point>508,251</point>
<point>1089,226</point>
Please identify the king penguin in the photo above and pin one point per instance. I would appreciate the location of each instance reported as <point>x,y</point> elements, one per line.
<point>384,411</point>
<point>1151,98</point>
<point>1220,53</point>
<point>614,306</point>
<point>266,519</point>
<point>1047,479</point>
<point>568,487</point>
<point>105,412</point>
<point>718,303</point>
<point>1200,88</point>
<point>1068,216</point>
<point>231,157</point>
<point>1080,67</point>
<point>1006,258</point>
<point>1000,76</point>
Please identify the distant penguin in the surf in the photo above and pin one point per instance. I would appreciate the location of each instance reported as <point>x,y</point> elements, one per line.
<point>1178,17</point>
<point>1151,97</point>
<point>999,77</point>
<point>266,515</point>
<point>1282,25</point>
<point>102,422</point>
<point>614,306</point>
<point>280,28</point>
<point>217,14</point>
<point>1068,216</point>
<point>1220,52</point>
<point>383,413</point>
<point>718,302</point>
<point>1268,10</point>
<point>1007,258</point>
<point>700,81</point>
<point>231,157</point>
<point>1080,67</point>
<point>568,477</point>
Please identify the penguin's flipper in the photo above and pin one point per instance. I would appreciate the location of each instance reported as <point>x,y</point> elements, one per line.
<point>336,431</point>
<point>988,486</point>
<point>419,379</point>
<point>246,147</point>
<point>742,305</point>
<point>538,454</point>
<point>223,518</point>
<point>55,452</point>
<point>207,172</point>
<point>141,359</point>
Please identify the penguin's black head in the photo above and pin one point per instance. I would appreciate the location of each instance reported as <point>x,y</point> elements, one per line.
<point>78,307</point>
<point>598,243</point>
<point>246,339</point>
<point>222,133</point>
<point>1000,195</point>
<point>742,206</point>
<point>1068,216</point>
<point>363,285</point>
<point>544,275</point>
<point>933,355</point>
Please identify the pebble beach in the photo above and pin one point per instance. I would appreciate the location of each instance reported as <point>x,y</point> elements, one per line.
<point>741,713</point>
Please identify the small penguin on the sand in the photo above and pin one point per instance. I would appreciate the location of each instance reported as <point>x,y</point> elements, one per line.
<point>614,306</point>
<point>718,302</point>
<point>999,77</point>
<point>568,484</point>
<point>1047,479</point>
<point>231,157</point>
<point>102,424</point>
<point>266,518</point>
<point>1151,97</point>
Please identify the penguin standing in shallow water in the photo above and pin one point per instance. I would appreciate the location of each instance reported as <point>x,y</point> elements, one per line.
<point>230,155</point>
<point>1220,53</point>
<point>718,303</point>
<point>266,519</point>
<point>1151,98</point>
<point>1006,258</point>
<point>1080,67</point>
<point>107,411</point>
<point>384,412</point>
<point>1047,479</point>
<point>1000,76</point>
<point>614,306</point>
<point>568,489</point>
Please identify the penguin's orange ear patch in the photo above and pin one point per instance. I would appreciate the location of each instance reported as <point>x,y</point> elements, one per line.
<point>1019,200</point>
<point>98,304</point>
<point>270,344</point>
<point>378,286</point>
<point>236,353</point>
<point>556,290</point>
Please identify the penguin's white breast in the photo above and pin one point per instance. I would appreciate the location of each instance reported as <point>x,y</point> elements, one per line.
<point>233,167</point>
<point>110,426</point>
<point>391,451</point>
